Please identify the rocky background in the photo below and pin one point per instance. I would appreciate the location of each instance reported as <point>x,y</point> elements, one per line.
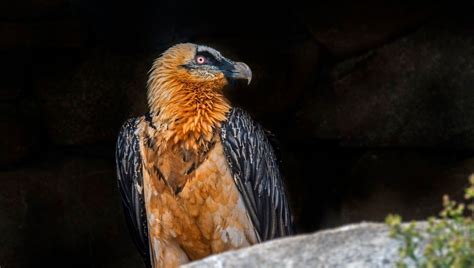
<point>371,106</point>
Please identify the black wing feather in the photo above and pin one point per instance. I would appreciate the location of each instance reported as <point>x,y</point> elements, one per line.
<point>256,175</point>
<point>130,182</point>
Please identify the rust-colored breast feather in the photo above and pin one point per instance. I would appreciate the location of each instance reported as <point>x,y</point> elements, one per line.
<point>193,206</point>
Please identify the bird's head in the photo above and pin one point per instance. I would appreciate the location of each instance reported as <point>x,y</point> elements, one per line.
<point>194,69</point>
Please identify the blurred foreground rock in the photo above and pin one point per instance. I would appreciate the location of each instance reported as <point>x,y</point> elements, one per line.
<point>365,245</point>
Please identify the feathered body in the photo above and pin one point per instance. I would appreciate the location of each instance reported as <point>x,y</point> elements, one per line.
<point>191,185</point>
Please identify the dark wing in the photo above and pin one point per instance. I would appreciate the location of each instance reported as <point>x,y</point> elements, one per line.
<point>130,182</point>
<point>256,174</point>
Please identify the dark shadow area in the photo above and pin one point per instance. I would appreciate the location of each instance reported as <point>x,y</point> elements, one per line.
<point>370,105</point>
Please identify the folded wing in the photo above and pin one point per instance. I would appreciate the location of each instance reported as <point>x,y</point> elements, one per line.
<point>130,182</point>
<point>257,176</point>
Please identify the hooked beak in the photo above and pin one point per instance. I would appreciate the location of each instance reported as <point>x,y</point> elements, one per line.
<point>241,70</point>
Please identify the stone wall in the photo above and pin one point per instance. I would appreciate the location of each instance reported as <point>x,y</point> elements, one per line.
<point>370,105</point>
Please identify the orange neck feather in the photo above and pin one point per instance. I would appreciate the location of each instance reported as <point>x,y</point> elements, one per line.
<point>186,111</point>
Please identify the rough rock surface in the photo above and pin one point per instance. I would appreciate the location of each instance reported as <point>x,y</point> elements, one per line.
<point>87,103</point>
<point>415,91</point>
<point>63,215</point>
<point>370,104</point>
<point>20,135</point>
<point>349,27</point>
<point>377,186</point>
<point>358,245</point>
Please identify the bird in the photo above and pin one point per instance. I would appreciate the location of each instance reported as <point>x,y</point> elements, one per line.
<point>198,176</point>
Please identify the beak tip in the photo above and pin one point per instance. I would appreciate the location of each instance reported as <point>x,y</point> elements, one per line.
<point>243,71</point>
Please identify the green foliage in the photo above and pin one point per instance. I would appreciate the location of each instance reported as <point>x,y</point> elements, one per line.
<point>448,241</point>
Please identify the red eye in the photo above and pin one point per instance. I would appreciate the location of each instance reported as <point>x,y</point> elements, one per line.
<point>200,59</point>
